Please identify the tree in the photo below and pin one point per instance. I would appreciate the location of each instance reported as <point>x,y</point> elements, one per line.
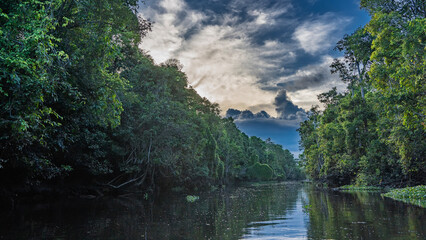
<point>356,61</point>
<point>29,55</point>
<point>376,137</point>
<point>398,72</point>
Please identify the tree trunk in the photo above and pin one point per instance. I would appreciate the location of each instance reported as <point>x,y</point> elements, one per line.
<point>360,80</point>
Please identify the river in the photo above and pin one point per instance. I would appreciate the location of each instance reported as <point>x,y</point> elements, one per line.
<point>273,211</point>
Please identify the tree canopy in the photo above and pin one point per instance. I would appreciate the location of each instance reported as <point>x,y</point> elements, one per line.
<point>80,102</point>
<point>378,136</point>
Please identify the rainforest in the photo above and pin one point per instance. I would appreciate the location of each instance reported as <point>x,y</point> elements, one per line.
<point>83,107</point>
<point>101,140</point>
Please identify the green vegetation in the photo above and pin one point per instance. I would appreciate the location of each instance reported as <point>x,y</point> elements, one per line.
<point>259,171</point>
<point>415,195</point>
<point>360,188</point>
<point>373,134</point>
<point>191,198</point>
<point>307,208</point>
<point>82,105</point>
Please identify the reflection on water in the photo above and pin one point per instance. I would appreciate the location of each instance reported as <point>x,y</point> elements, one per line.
<point>290,225</point>
<point>363,215</point>
<point>280,211</point>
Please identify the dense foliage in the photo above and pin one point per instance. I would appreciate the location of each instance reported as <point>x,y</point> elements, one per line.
<point>415,195</point>
<point>80,102</point>
<point>374,133</point>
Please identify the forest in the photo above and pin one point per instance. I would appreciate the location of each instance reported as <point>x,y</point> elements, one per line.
<point>374,133</point>
<point>82,106</point>
<point>98,140</point>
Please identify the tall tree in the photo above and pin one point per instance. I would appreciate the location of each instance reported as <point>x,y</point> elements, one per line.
<point>356,60</point>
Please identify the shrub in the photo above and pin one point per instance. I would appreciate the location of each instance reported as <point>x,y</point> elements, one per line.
<point>260,171</point>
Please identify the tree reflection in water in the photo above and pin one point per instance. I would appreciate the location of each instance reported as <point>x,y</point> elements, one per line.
<point>277,211</point>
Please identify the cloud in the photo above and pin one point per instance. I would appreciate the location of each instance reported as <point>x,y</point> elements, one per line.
<point>252,55</point>
<point>306,83</point>
<point>306,80</point>
<point>173,5</point>
<point>282,129</point>
<point>171,23</point>
<point>262,114</point>
<point>268,16</point>
<point>218,52</point>
<point>286,109</point>
<point>320,33</point>
<point>246,114</point>
<point>233,113</point>
<point>311,76</point>
<point>241,53</point>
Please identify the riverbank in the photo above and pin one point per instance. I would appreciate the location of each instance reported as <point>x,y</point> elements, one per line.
<point>414,195</point>
<point>361,188</point>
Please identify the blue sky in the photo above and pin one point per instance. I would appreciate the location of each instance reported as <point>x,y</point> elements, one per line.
<point>265,55</point>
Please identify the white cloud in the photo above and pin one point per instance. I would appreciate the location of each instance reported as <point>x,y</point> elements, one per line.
<point>221,64</point>
<point>318,34</point>
<point>173,5</point>
<point>169,28</point>
<point>261,18</point>
<point>220,60</point>
<point>267,16</point>
<point>223,61</point>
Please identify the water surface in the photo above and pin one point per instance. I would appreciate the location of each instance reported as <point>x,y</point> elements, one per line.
<point>277,211</point>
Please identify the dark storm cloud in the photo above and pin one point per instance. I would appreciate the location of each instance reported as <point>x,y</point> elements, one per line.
<point>304,82</point>
<point>246,114</point>
<point>314,76</point>
<point>286,109</point>
<point>262,114</point>
<point>233,113</point>
<point>300,82</point>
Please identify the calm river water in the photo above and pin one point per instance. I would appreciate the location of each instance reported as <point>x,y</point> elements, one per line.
<point>278,211</point>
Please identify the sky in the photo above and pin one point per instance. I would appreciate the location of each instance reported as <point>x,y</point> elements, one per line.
<point>264,62</point>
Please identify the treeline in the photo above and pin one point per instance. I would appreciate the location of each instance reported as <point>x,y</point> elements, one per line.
<point>81,103</point>
<point>374,134</point>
